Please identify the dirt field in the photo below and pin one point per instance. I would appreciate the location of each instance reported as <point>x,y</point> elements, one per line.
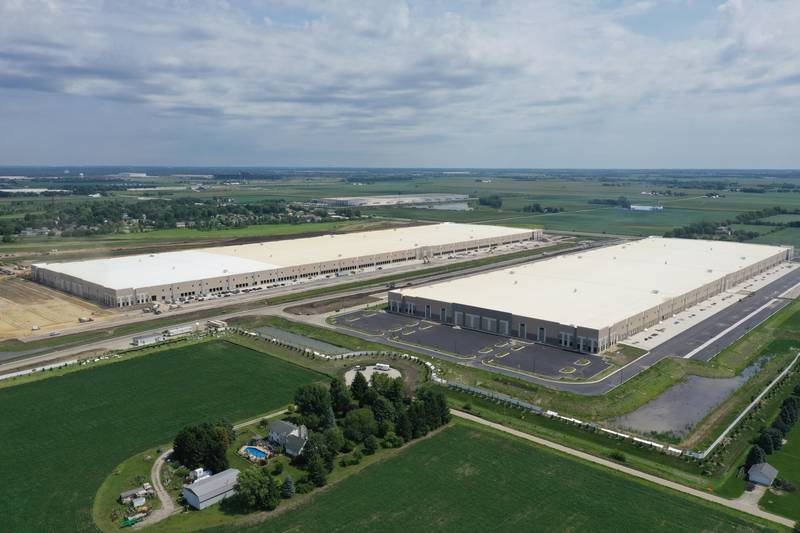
<point>24,304</point>
<point>326,306</point>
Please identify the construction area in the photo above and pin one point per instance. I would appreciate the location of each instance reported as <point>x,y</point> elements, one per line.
<point>385,200</point>
<point>219,271</point>
<point>589,301</point>
<point>27,308</point>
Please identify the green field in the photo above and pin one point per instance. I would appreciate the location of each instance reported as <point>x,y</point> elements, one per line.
<point>61,437</point>
<point>470,479</point>
<point>787,236</point>
<point>787,461</point>
<point>781,219</point>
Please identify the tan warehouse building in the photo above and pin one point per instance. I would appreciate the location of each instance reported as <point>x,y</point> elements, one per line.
<point>589,301</point>
<point>171,276</point>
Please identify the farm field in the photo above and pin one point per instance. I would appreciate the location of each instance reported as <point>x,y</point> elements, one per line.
<point>67,433</point>
<point>476,480</point>
<point>787,461</point>
<point>788,236</point>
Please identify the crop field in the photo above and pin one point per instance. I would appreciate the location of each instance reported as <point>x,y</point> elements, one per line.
<point>787,236</point>
<point>787,461</point>
<point>470,479</point>
<point>61,437</point>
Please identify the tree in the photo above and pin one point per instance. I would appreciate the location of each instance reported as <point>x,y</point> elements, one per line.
<point>436,410</point>
<point>316,470</point>
<point>755,457</point>
<point>797,389</point>
<point>359,423</point>
<point>341,399</point>
<point>371,444</point>
<point>202,445</point>
<point>334,439</point>
<point>287,489</point>
<point>403,426</point>
<point>359,387</point>
<point>383,410</point>
<point>390,388</point>
<point>765,441</point>
<point>775,438</point>
<point>317,446</point>
<point>781,425</point>
<point>256,489</point>
<point>313,402</point>
<point>418,419</point>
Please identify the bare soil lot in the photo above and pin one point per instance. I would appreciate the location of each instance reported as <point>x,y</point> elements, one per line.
<point>24,304</point>
<point>334,304</point>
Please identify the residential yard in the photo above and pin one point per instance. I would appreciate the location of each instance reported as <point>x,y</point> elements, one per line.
<point>62,436</point>
<point>787,461</point>
<point>471,479</point>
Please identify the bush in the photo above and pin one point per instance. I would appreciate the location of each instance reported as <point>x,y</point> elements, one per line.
<point>278,469</point>
<point>303,487</point>
<point>618,456</point>
<point>370,445</point>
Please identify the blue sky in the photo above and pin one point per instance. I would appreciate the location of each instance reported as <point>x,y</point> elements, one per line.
<point>484,83</point>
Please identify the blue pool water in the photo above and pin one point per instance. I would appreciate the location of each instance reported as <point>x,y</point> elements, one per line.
<point>255,452</point>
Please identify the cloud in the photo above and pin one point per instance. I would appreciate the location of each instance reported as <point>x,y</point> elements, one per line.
<point>434,71</point>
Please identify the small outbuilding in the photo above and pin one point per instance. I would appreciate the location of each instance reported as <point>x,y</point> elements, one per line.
<point>208,491</point>
<point>763,474</point>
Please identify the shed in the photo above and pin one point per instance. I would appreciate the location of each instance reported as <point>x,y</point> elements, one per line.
<point>763,474</point>
<point>211,490</point>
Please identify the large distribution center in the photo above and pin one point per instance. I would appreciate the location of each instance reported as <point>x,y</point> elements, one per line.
<point>171,276</point>
<point>590,300</point>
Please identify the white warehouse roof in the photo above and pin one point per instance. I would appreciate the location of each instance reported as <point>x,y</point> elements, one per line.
<point>184,266</point>
<point>601,287</point>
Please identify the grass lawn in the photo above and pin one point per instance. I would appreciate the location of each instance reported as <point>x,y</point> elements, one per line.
<point>61,437</point>
<point>471,479</point>
<point>787,461</point>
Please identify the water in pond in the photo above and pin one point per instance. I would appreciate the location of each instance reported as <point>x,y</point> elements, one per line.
<point>683,405</point>
<point>456,206</point>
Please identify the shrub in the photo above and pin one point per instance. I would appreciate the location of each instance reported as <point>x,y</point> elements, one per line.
<point>618,456</point>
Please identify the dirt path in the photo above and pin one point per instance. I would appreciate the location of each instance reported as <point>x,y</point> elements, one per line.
<point>168,506</point>
<point>739,505</point>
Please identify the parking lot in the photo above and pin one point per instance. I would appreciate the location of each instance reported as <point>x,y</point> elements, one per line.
<point>484,347</point>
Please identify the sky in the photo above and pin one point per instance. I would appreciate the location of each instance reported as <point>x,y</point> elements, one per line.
<point>484,83</point>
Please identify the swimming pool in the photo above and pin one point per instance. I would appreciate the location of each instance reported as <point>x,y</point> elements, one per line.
<point>255,452</point>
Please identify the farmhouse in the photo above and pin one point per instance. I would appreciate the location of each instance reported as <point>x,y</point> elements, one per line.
<point>173,276</point>
<point>210,490</point>
<point>290,437</point>
<point>588,301</point>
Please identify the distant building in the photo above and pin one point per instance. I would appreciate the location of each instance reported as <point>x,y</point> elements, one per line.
<point>208,491</point>
<point>646,207</point>
<point>763,474</point>
<point>290,437</point>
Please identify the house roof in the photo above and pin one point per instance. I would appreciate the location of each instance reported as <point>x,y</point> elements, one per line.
<point>282,427</point>
<point>295,444</point>
<point>763,469</point>
<point>215,485</point>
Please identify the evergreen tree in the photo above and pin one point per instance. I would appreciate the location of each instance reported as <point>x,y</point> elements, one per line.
<point>287,489</point>
<point>403,427</point>
<point>765,441</point>
<point>330,419</point>
<point>316,470</point>
<point>273,494</point>
<point>341,399</point>
<point>359,387</point>
<point>755,457</point>
<point>371,444</point>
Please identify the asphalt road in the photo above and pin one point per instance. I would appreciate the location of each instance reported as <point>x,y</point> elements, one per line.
<point>697,335</point>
